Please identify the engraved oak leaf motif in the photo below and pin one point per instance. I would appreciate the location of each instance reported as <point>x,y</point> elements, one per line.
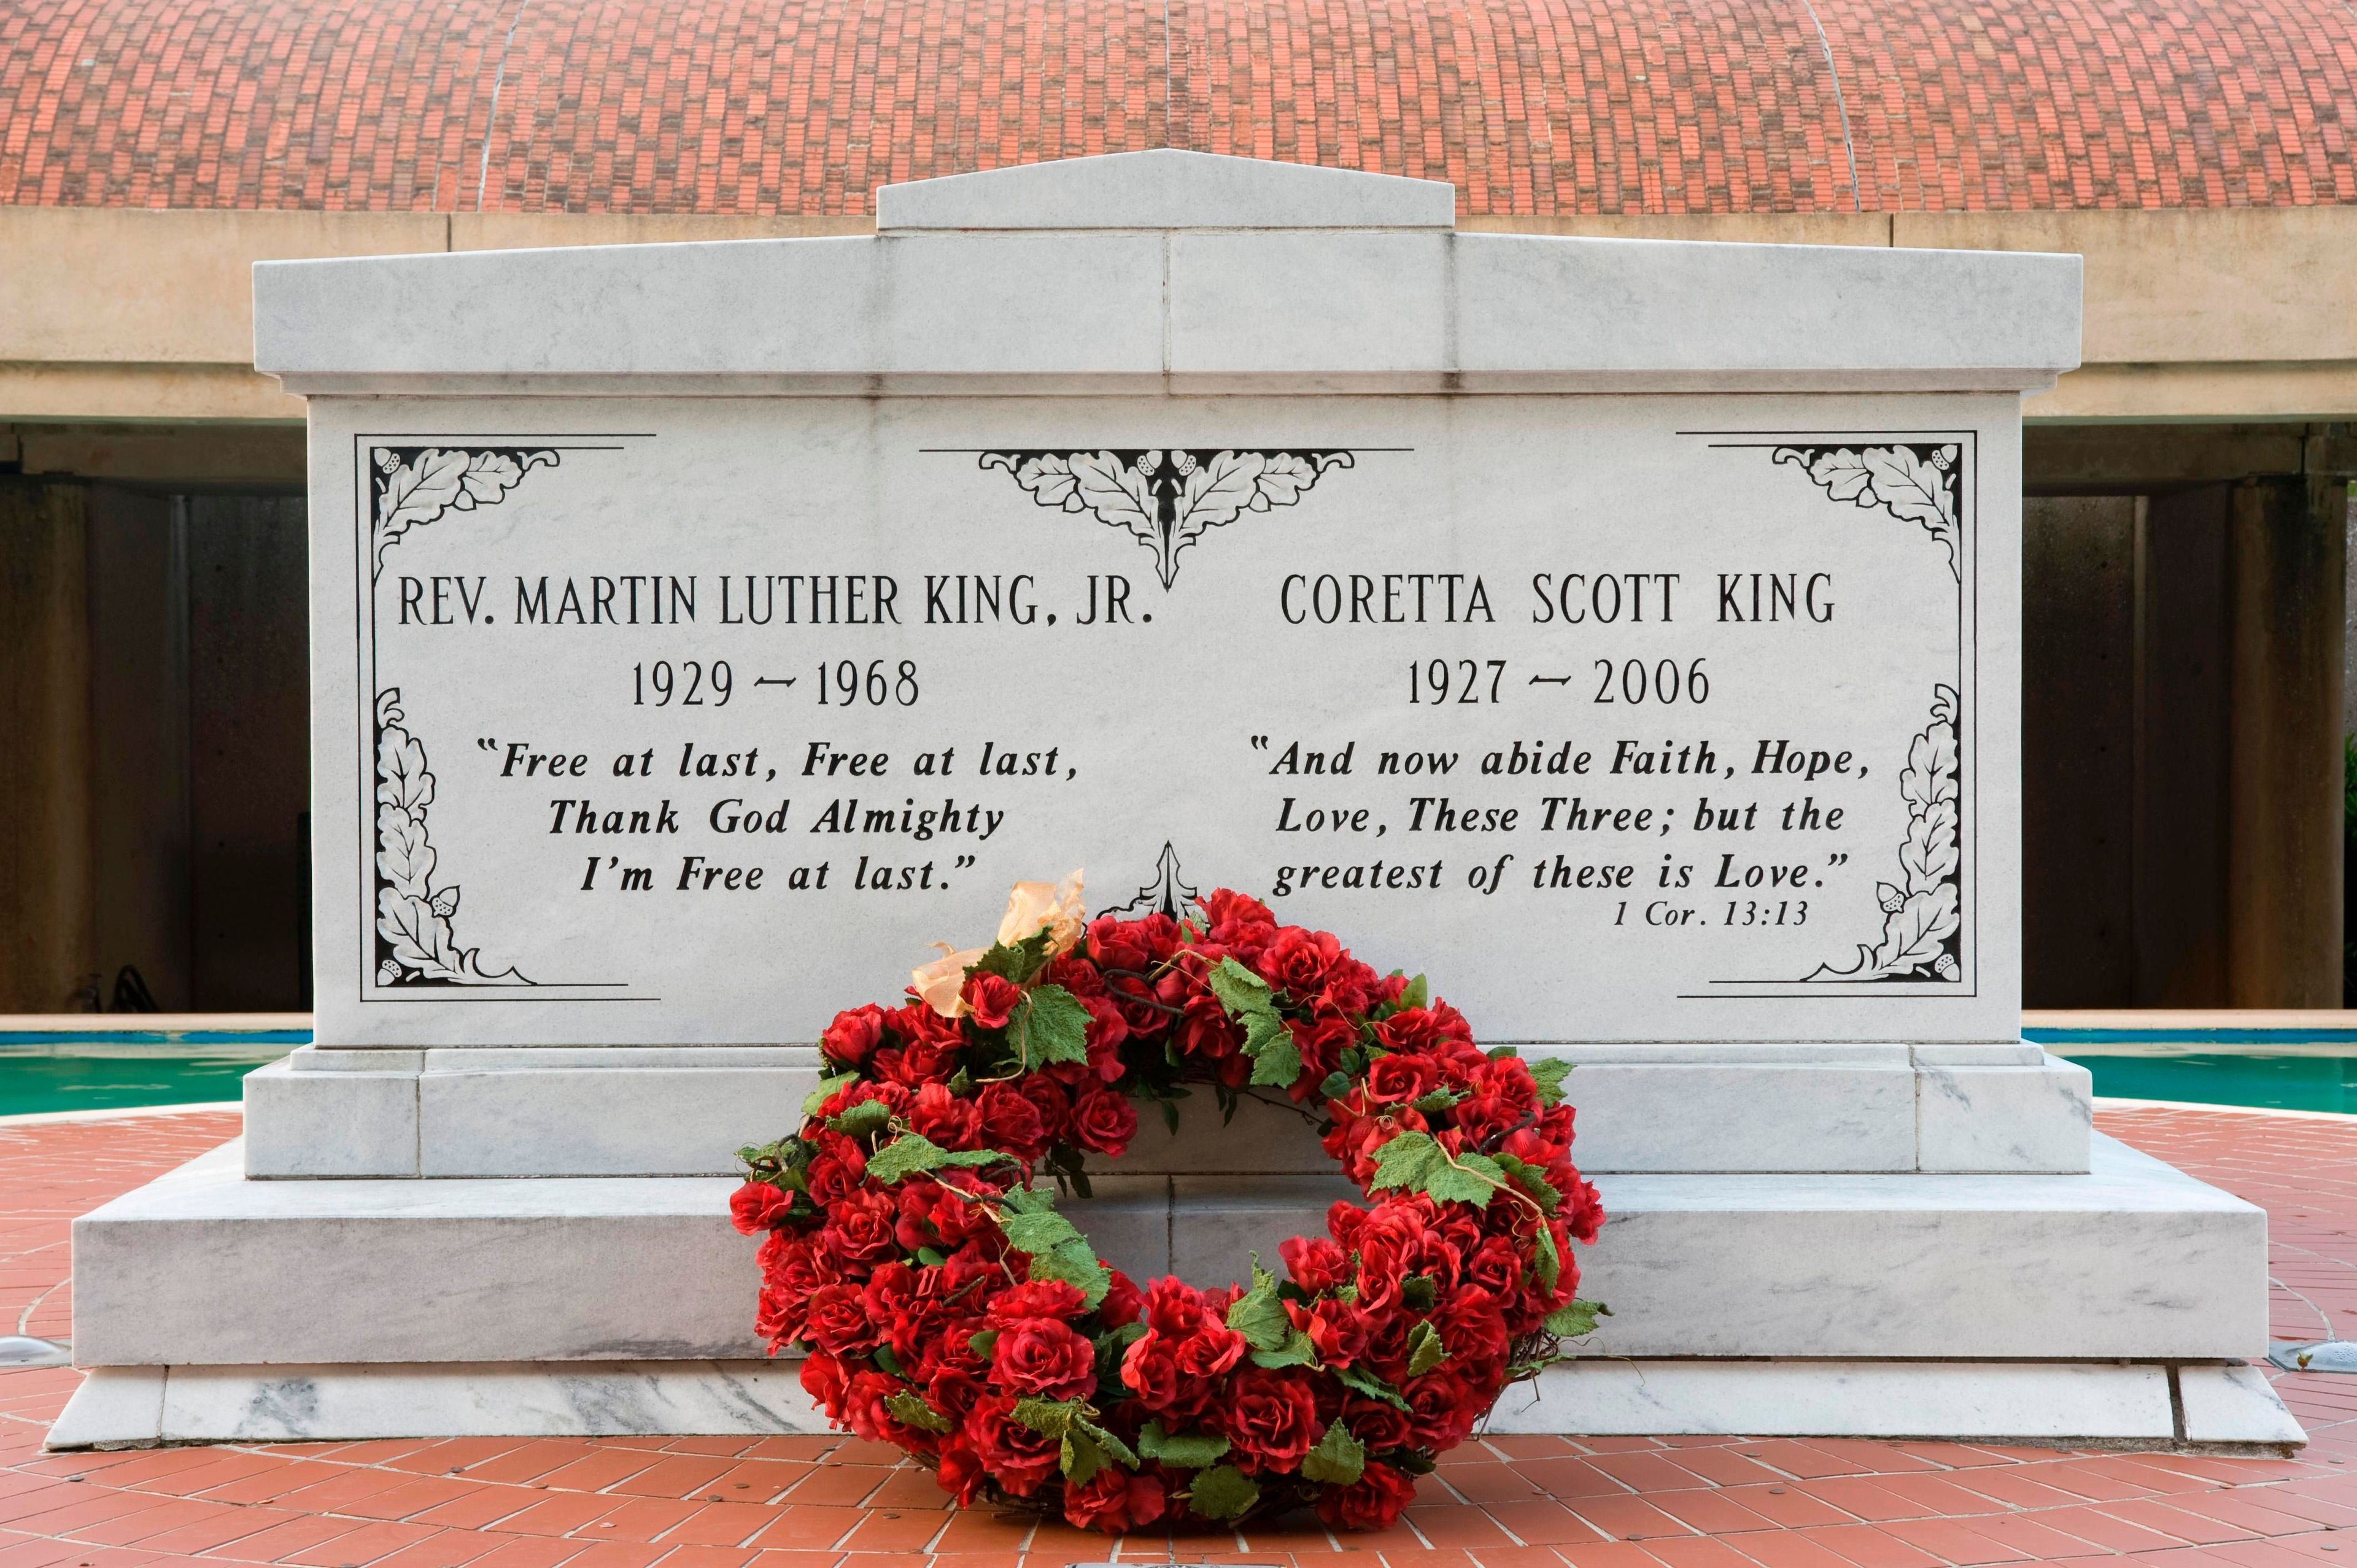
<point>1923,912</point>
<point>414,486</point>
<point>1915,483</point>
<point>415,941</point>
<point>1167,499</point>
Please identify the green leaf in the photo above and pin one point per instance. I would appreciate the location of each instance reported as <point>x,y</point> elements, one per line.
<point>910,1410</point>
<point>961,1083</point>
<point>1370,1386</point>
<point>1339,1459</point>
<point>1222,1492</point>
<point>905,1156</point>
<point>1048,1418</point>
<point>975,1158</point>
<point>1075,1263</point>
<point>1300,1350</point>
<point>1407,1160</point>
<point>1337,1085</point>
<point>1184,1451</point>
<point>867,1116</point>
<point>1278,1063</point>
<point>930,1257</point>
<point>1039,1232</point>
<point>1258,1315</point>
<point>1239,991</point>
<point>888,1361</point>
<point>826,1090</point>
<point>1546,1263</point>
<point>1550,1071</point>
<point>1425,1350</point>
<point>1575,1318</point>
<point>1435,1102</point>
<point>1049,1025</point>
<point>1533,1180</point>
<point>1417,994</point>
<point>982,1341</point>
<point>1170,1116</point>
<point>1081,1459</point>
<point>1469,1179</point>
<point>1105,1440</point>
<point>1017,961</point>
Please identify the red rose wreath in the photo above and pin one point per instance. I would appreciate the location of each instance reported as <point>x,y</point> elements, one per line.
<point>948,1309</point>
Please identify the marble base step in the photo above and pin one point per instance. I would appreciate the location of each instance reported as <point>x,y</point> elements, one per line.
<point>2208,1407</point>
<point>680,1111</point>
<point>203,1267</point>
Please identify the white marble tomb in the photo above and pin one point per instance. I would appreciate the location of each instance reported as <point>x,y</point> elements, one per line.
<point>1625,634</point>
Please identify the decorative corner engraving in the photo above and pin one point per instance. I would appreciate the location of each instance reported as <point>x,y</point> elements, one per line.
<point>415,944</point>
<point>1166,894</point>
<point>415,485</point>
<point>1922,914</point>
<point>1167,499</point>
<point>1921,482</point>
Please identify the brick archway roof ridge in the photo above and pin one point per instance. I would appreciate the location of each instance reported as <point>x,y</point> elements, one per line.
<point>1532,108</point>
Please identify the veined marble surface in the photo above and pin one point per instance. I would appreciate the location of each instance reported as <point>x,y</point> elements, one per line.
<point>118,1407</point>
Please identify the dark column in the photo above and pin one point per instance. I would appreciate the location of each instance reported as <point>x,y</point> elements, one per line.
<point>249,696</point>
<point>139,739</point>
<point>2288,539</point>
<point>2078,749</point>
<point>2184,665</point>
<point>45,891</point>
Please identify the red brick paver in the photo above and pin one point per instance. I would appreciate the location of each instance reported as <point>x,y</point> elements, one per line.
<point>1506,1502</point>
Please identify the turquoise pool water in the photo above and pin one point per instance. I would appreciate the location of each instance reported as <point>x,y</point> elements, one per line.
<point>2279,1082</point>
<point>75,1072</point>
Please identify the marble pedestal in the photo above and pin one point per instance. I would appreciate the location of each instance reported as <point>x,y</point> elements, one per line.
<point>2112,1305</point>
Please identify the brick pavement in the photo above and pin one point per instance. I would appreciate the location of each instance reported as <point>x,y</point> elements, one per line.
<point>1509,1502</point>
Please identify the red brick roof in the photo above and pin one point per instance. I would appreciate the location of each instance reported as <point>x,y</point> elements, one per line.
<point>1529,106</point>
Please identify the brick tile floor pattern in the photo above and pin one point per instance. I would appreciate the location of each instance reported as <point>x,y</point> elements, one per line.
<point>1504,1502</point>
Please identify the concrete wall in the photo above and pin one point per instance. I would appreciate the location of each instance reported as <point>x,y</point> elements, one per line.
<point>2242,313</point>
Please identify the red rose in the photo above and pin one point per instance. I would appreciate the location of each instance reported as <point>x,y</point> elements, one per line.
<point>1373,1503</point>
<point>947,1120</point>
<point>1016,1456</point>
<point>1399,1078</point>
<point>837,1319</point>
<point>1035,1298</point>
<point>1497,1267</point>
<point>823,1378</point>
<point>1321,1043</point>
<point>757,1206</point>
<point>1042,1356</point>
<point>1472,1325</point>
<point>1104,1122</point>
<point>859,1228</point>
<point>848,1040</point>
<point>1210,1351</point>
<point>1422,1028</point>
<point>1242,925</point>
<point>1317,1264</point>
<point>1010,1121</point>
<point>952,1392</point>
<point>1299,959</point>
<point>1271,1417</point>
<point>1442,1408</point>
<point>1124,1303</point>
<point>1337,1328</point>
<point>1055,1107</point>
<point>1150,1367</point>
<point>961,1473</point>
<point>1116,943</point>
<point>1379,1427</point>
<point>990,999</point>
<point>1173,1308</point>
<point>1114,1500</point>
